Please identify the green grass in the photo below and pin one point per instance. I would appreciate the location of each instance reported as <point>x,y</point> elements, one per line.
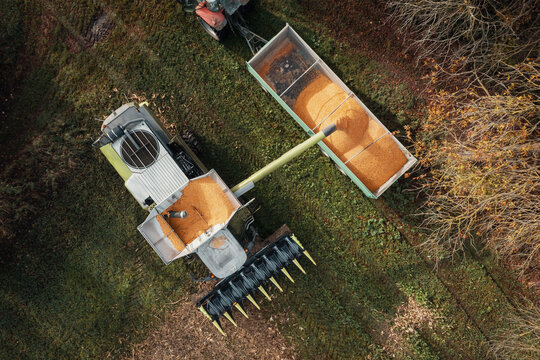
<point>78,281</point>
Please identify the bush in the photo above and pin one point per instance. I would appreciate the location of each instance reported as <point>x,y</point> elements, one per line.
<point>479,141</point>
<point>470,37</point>
<point>482,151</point>
<point>520,339</point>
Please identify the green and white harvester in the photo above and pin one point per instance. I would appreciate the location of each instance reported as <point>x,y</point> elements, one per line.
<point>158,171</point>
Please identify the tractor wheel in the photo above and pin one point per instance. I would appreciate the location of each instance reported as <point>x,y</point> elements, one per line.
<point>215,34</point>
<point>245,9</point>
<point>191,141</point>
<point>188,6</point>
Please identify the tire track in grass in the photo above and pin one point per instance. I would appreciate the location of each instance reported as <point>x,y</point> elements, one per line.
<point>370,264</point>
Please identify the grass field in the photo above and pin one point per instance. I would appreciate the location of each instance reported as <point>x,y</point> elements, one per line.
<point>78,281</point>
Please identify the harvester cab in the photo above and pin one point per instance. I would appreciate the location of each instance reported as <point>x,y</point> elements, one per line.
<point>192,210</point>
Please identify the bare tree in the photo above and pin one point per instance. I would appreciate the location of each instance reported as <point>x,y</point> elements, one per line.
<point>484,182</point>
<point>470,37</point>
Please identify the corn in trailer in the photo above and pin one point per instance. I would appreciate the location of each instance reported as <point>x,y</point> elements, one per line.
<point>192,211</point>
<point>285,67</point>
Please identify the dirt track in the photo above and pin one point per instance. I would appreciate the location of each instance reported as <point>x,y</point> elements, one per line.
<point>187,334</point>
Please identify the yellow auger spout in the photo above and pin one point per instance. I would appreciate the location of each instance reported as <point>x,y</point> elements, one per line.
<point>249,183</point>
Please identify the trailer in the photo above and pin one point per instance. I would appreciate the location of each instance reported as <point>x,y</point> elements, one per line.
<point>364,149</point>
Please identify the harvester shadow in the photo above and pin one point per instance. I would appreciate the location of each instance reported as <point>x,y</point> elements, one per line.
<point>367,301</point>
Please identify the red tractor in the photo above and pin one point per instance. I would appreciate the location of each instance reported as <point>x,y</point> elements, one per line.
<point>215,15</point>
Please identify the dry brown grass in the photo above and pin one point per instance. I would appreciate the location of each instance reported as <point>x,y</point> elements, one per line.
<point>410,317</point>
<point>520,339</point>
<point>469,38</point>
<point>484,183</point>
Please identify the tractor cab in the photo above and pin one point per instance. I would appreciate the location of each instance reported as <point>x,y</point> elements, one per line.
<point>215,15</point>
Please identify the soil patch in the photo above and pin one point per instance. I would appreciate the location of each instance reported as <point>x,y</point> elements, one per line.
<point>410,318</point>
<point>187,334</point>
<point>99,29</point>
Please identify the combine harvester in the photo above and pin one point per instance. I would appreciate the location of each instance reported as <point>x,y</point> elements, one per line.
<point>192,211</point>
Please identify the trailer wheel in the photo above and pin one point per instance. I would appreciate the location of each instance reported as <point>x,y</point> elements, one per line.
<point>340,170</point>
<point>191,141</point>
<point>215,34</point>
<point>245,9</point>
